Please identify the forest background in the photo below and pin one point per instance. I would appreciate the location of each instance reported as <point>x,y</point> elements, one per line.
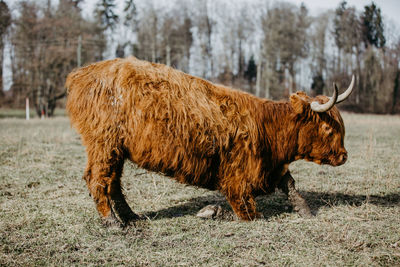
<point>267,48</point>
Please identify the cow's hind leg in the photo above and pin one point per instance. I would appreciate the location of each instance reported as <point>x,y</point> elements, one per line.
<point>287,185</point>
<point>103,180</point>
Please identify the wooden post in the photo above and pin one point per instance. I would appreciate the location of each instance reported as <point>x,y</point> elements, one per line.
<point>27,108</point>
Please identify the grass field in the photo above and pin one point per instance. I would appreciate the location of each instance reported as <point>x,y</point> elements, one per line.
<point>20,113</point>
<point>48,218</point>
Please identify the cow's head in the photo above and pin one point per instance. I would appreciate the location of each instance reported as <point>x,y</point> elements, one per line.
<point>320,127</point>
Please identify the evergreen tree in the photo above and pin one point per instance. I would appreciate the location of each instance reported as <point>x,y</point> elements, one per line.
<point>130,12</point>
<point>106,15</point>
<point>251,71</point>
<point>373,28</point>
<point>318,84</point>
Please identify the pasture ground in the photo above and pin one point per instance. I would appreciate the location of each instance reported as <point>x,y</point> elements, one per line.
<point>48,218</point>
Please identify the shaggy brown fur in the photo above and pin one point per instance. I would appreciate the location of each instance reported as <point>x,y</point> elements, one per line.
<point>197,132</point>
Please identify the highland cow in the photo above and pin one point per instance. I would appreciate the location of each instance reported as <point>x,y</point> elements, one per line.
<point>197,132</point>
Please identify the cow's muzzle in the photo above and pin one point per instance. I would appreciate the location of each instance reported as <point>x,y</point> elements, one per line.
<point>340,160</point>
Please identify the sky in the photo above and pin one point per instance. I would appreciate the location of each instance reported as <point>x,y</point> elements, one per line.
<point>389,8</point>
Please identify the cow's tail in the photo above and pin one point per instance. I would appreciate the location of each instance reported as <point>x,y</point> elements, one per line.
<point>78,102</point>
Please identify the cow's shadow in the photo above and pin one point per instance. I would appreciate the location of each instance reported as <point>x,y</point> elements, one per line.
<point>275,204</point>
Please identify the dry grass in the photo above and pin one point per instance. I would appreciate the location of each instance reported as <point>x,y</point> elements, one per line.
<point>20,113</point>
<point>47,217</point>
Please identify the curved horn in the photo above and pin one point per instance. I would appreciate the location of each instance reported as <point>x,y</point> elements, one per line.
<point>317,107</point>
<point>346,93</point>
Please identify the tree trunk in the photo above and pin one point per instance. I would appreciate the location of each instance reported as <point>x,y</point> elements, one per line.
<point>241,68</point>
<point>1,67</point>
<point>153,52</point>
<point>292,82</point>
<point>168,52</point>
<point>359,80</point>
<point>258,77</point>
<point>267,81</point>
<point>395,91</point>
<point>209,47</point>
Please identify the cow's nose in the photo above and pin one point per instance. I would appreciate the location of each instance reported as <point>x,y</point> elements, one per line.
<point>343,158</point>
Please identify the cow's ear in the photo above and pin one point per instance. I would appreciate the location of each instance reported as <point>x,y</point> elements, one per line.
<point>299,103</point>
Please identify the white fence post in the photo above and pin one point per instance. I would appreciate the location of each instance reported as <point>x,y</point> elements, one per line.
<point>27,108</point>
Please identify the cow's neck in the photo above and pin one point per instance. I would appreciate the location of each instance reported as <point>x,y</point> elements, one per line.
<point>281,132</point>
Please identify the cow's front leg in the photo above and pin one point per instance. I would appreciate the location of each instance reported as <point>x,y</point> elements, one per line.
<point>287,185</point>
<point>242,203</point>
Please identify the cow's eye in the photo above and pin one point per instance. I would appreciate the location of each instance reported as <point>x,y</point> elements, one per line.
<point>327,129</point>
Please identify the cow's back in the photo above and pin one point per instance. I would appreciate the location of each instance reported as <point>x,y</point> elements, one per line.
<point>166,120</point>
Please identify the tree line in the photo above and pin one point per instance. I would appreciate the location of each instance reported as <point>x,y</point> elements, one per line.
<point>268,49</point>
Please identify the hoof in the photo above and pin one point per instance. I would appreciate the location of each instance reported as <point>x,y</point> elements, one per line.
<point>259,215</point>
<point>129,220</point>
<point>111,221</point>
<point>120,221</point>
<point>246,218</point>
<point>124,214</point>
